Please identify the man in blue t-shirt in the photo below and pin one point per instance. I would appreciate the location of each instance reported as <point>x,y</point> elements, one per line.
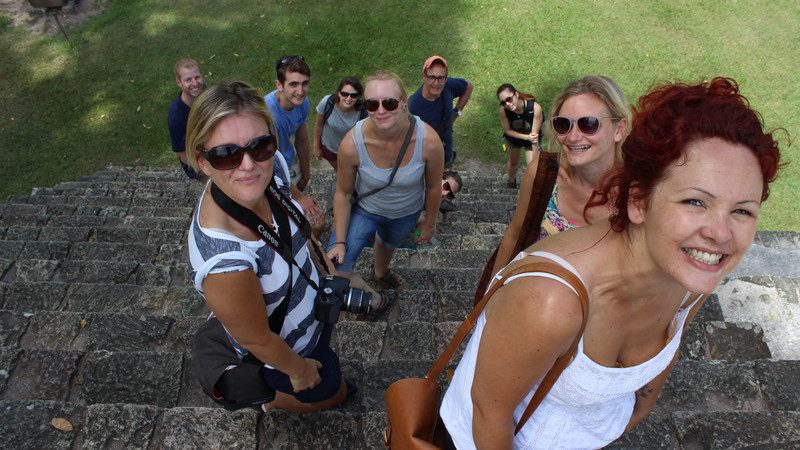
<point>433,102</point>
<point>289,107</point>
<point>190,80</point>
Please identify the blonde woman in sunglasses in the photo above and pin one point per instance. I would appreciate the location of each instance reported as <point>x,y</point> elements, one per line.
<point>588,123</point>
<point>367,155</point>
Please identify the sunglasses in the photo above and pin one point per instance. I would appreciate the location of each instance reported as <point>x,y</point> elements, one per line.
<point>588,125</point>
<point>229,156</point>
<point>508,99</point>
<point>344,94</point>
<point>289,58</point>
<point>449,189</point>
<point>389,104</point>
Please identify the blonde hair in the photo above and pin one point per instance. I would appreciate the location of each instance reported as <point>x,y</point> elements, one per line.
<point>386,75</point>
<point>219,101</point>
<point>605,89</point>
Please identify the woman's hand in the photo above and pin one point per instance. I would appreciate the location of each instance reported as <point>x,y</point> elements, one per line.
<point>318,151</point>
<point>308,375</point>
<point>533,137</point>
<point>336,253</point>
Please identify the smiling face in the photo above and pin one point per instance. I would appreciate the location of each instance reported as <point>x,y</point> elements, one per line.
<point>434,80</point>
<point>246,183</point>
<point>294,89</point>
<point>508,99</point>
<point>701,218</point>
<point>581,149</point>
<point>190,80</point>
<point>348,101</point>
<point>380,90</point>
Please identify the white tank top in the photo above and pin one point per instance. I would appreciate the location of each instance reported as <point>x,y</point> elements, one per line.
<point>588,406</point>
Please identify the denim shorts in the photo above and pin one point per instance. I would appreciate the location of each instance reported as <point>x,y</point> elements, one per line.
<point>330,373</point>
<point>364,225</point>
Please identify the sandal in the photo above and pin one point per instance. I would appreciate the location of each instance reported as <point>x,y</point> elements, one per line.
<point>388,281</point>
<point>387,301</point>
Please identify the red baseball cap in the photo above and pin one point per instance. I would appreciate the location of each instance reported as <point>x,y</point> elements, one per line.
<point>433,60</point>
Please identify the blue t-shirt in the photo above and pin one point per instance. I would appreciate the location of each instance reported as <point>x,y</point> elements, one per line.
<point>439,113</point>
<point>287,123</point>
<point>177,116</point>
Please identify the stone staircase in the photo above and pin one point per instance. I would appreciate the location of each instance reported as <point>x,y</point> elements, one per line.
<point>97,315</point>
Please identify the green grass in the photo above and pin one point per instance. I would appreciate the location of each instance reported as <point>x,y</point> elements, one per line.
<point>67,112</point>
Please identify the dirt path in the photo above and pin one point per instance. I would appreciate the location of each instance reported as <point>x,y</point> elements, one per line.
<point>39,21</point>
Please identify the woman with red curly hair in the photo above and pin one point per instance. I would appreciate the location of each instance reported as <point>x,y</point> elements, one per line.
<point>696,168</point>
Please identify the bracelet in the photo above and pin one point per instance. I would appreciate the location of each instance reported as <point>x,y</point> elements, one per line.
<point>346,247</point>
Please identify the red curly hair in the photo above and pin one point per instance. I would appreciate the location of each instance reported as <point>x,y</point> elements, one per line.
<point>666,121</point>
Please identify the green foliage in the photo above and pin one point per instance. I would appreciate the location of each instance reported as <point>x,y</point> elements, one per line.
<point>70,111</point>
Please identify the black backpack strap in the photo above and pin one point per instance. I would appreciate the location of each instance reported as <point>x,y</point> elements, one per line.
<point>328,108</point>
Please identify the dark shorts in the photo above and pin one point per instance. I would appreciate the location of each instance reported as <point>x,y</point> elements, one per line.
<point>328,155</point>
<point>519,143</point>
<point>331,373</point>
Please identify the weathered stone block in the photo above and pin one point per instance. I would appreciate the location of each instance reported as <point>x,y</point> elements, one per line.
<point>455,305</point>
<point>8,360</point>
<point>21,233</point>
<point>780,383</point>
<point>324,429</point>
<point>11,249</point>
<point>378,375</point>
<point>701,430</point>
<point>29,424</point>
<point>443,335</point>
<point>126,332</point>
<point>207,428</point>
<point>455,279</point>
<point>74,271</point>
<point>119,426</point>
<point>653,432</point>
<point>42,375</point>
<point>65,233</point>
<point>55,331</point>
<point>140,377</point>
<point>693,343</point>
<point>409,340</point>
<point>12,325</point>
<point>179,338</point>
<point>35,296</point>
<point>736,341</point>
<point>191,392</point>
<point>116,252</point>
<point>712,386</point>
<point>155,275</point>
<point>181,301</point>
<point>116,234</point>
<point>36,269</point>
<point>418,305</point>
<point>45,250</point>
<point>120,298</point>
<point>362,341</point>
<point>373,424</point>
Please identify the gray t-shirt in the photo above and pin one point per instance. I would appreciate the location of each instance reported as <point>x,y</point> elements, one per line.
<point>337,125</point>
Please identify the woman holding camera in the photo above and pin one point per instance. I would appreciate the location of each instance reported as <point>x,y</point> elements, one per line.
<point>342,109</point>
<point>696,168</point>
<point>367,157</point>
<point>521,118</point>
<point>245,276</point>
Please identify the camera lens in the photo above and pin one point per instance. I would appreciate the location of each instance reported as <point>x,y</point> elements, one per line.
<point>357,301</point>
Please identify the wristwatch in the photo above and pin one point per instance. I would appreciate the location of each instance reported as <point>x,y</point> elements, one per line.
<point>458,112</point>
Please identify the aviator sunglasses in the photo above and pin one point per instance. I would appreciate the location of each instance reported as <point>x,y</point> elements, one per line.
<point>350,94</point>
<point>587,125</point>
<point>389,104</point>
<point>229,156</point>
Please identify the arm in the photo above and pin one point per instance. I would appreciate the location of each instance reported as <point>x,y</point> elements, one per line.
<point>345,184</point>
<point>320,122</point>
<point>647,395</point>
<point>536,127</point>
<point>308,203</point>
<point>463,99</point>
<point>544,315</point>
<point>236,299</point>
<point>506,248</point>
<point>303,153</point>
<point>433,155</point>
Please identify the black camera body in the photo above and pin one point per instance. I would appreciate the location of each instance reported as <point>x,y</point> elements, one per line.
<point>336,295</point>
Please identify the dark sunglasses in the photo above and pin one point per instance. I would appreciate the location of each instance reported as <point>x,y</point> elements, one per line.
<point>289,58</point>
<point>446,186</point>
<point>588,125</point>
<point>349,94</point>
<point>507,100</point>
<point>389,104</point>
<point>229,156</point>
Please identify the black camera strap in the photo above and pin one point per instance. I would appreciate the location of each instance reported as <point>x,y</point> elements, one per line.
<point>282,243</point>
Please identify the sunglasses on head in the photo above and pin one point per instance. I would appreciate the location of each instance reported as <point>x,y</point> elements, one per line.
<point>449,189</point>
<point>289,58</point>
<point>229,156</point>
<point>508,99</point>
<point>587,125</point>
<point>344,94</point>
<point>389,104</point>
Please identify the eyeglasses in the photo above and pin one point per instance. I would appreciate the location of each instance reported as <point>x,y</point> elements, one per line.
<point>436,78</point>
<point>289,58</point>
<point>507,100</point>
<point>344,94</point>
<point>389,104</point>
<point>449,189</point>
<point>229,156</point>
<point>587,125</point>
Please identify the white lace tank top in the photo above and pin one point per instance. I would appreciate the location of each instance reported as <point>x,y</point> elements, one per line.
<point>588,406</point>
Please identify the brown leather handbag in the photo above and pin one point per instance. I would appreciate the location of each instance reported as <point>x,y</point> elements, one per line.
<point>412,404</point>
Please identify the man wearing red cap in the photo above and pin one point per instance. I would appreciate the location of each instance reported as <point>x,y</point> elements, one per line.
<point>433,102</point>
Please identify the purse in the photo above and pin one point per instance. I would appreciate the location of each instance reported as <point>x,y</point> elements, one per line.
<point>412,404</point>
<point>543,183</point>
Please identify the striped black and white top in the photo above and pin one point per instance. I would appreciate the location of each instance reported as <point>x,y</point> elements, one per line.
<point>217,251</point>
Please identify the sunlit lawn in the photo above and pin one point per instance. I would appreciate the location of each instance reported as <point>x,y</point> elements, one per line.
<point>69,112</point>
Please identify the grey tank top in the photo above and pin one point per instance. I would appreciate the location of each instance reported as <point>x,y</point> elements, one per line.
<point>406,194</point>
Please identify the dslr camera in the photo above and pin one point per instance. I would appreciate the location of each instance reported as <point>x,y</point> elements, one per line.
<point>335,295</point>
